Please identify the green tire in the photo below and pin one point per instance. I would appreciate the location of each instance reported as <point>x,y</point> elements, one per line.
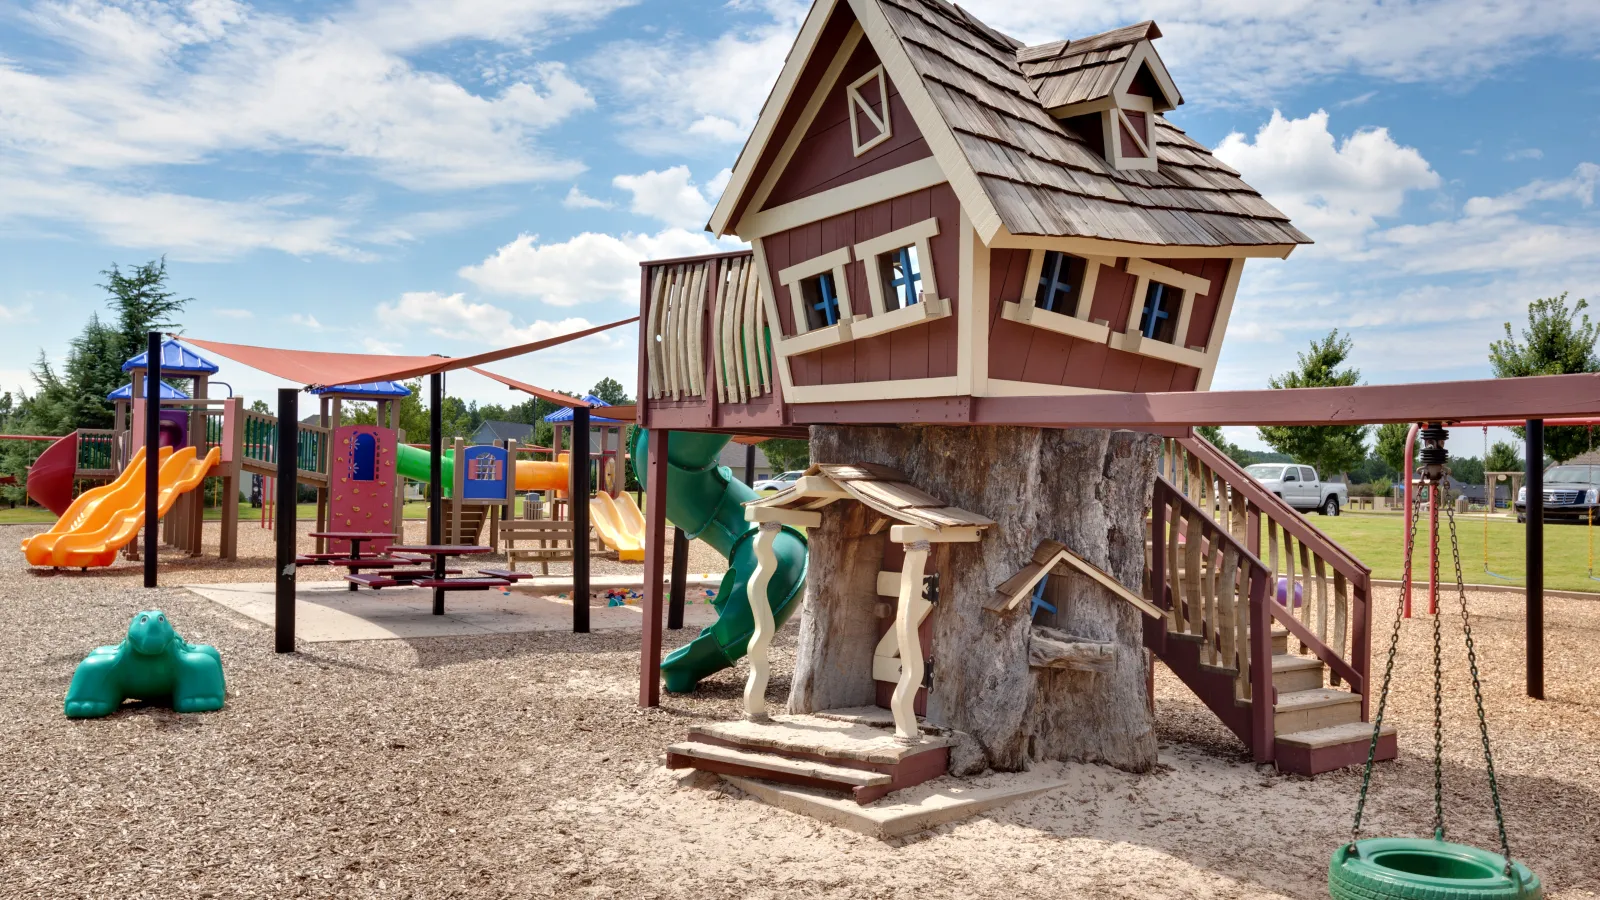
<point>1421,869</point>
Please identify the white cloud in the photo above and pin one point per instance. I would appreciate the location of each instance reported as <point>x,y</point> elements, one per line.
<point>1579,186</point>
<point>11,314</point>
<point>453,316</point>
<point>383,348</point>
<point>686,93</point>
<point>1525,153</point>
<point>1228,51</point>
<point>1358,100</point>
<point>670,196</point>
<point>306,321</point>
<point>577,199</point>
<point>1335,191</point>
<point>234,313</point>
<point>588,268</point>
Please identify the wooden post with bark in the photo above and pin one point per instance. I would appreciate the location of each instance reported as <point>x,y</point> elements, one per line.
<point>1088,489</point>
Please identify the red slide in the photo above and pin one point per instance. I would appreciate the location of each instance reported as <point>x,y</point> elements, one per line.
<point>50,476</point>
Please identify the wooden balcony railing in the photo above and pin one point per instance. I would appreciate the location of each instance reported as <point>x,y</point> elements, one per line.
<point>1323,593</point>
<point>259,446</point>
<point>98,453</point>
<point>706,305</point>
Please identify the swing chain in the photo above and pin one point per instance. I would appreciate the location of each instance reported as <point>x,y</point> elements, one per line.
<point>1477,696</point>
<point>1438,695</point>
<point>1388,675</point>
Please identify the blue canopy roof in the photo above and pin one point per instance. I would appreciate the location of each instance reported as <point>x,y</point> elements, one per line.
<point>175,359</point>
<point>168,392</point>
<point>564,414</point>
<point>367,389</point>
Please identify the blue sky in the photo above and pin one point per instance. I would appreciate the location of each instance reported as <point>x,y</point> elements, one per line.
<point>410,176</point>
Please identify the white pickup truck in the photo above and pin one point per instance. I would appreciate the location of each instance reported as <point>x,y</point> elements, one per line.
<point>1300,488</point>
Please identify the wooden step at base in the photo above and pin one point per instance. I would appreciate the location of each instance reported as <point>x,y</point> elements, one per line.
<point>1326,749</point>
<point>1315,709</point>
<point>1280,639</point>
<point>810,747</point>
<point>1296,673</point>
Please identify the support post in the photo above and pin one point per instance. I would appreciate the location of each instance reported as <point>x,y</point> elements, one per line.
<point>655,540</point>
<point>152,457</point>
<point>1535,557</point>
<point>580,519</point>
<point>909,611</point>
<point>284,528</point>
<point>680,578</point>
<point>755,686</point>
<point>436,480</point>
<point>749,465</point>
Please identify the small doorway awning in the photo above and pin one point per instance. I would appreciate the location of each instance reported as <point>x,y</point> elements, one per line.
<point>920,515</point>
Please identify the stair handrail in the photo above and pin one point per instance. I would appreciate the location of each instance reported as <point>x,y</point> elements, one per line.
<point>1258,645</point>
<point>1259,501</point>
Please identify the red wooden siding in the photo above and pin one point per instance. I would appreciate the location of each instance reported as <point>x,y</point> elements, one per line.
<point>825,157</point>
<point>1020,352</point>
<point>921,351</point>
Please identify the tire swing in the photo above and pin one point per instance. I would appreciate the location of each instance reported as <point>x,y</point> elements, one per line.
<point>1421,868</point>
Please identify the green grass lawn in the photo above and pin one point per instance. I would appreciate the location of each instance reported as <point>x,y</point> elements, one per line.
<point>1376,540</point>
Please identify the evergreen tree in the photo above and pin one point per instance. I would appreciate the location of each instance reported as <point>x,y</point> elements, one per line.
<point>142,304</point>
<point>1503,457</point>
<point>787,454</point>
<point>1331,449</point>
<point>1558,341</point>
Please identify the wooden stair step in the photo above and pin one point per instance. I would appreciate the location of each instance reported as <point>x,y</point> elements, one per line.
<point>1319,750</point>
<point>1318,738</point>
<point>1292,673</point>
<point>1315,709</point>
<point>697,752</point>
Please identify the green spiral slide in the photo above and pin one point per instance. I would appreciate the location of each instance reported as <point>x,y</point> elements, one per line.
<point>706,502</point>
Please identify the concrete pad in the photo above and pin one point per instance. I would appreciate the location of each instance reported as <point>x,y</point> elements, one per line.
<point>905,812</point>
<point>328,612</point>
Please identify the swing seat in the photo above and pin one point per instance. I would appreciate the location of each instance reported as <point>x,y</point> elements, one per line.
<point>1425,869</point>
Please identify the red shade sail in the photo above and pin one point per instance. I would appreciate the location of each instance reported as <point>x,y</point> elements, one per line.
<point>316,368</point>
<point>555,397</point>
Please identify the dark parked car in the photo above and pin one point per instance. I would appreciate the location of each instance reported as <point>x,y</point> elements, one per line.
<point>1571,494</point>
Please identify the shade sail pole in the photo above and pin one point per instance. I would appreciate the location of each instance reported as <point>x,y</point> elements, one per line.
<point>579,462</point>
<point>284,527</point>
<point>152,456</point>
<point>1534,478</point>
<point>436,481</point>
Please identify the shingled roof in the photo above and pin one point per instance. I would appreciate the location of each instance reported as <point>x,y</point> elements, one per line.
<point>1044,179</point>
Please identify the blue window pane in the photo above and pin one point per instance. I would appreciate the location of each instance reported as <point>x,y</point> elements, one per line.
<point>1060,282</point>
<point>821,300</point>
<point>904,277</point>
<point>1159,321</point>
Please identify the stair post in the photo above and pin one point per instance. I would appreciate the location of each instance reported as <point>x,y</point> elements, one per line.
<point>755,687</point>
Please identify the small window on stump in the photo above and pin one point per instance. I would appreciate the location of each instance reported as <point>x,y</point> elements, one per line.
<point>902,278</point>
<point>821,301</point>
<point>1162,303</point>
<point>1060,283</point>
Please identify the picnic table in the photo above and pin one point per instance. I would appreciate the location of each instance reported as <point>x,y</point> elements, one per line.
<point>439,582</point>
<point>355,562</point>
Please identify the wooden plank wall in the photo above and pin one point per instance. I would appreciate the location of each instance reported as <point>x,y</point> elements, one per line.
<point>1020,352</point>
<point>921,351</point>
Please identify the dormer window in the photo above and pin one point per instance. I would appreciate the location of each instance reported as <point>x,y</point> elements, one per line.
<point>821,299</point>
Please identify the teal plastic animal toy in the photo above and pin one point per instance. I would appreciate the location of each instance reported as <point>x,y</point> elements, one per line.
<point>152,664</point>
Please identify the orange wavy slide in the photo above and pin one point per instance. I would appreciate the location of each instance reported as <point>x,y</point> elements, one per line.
<point>102,521</point>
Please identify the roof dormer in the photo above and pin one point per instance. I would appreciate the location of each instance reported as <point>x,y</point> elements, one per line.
<point>1108,88</point>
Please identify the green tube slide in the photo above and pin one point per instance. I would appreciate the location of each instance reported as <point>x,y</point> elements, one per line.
<point>415,463</point>
<point>706,502</point>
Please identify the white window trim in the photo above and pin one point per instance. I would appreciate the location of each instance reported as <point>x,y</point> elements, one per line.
<point>835,262</point>
<point>931,306</point>
<point>1078,325</point>
<point>1113,120</point>
<point>854,101</point>
<point>1133,341</point>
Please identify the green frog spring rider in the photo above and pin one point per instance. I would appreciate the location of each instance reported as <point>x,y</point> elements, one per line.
<point>152,664</point>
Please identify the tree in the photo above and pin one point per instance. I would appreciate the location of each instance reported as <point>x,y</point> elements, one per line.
<point>1391,445</point>
<point>611,391</point>
<point>1503,457</point>
<point>787,454</point>
<point>1213,433</point>
<point>142,304</point>
<point>1558,341</point>
<point>1328,448</point>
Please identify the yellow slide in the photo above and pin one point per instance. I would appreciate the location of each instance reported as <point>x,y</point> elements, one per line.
<point>92,534</point>
<point>620,525</point>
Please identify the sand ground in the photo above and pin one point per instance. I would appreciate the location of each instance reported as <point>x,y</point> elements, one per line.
<point>519,765</point>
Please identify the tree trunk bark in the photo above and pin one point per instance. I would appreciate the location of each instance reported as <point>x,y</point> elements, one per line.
<point>1087,488</point>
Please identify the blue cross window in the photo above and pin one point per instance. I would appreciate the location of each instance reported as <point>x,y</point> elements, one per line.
<point>1060,283</point>
<point>1159,322</point>
<point>904,277</point>
<point>821,300</point>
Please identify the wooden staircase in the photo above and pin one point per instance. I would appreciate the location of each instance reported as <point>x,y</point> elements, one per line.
<point>1228,613</point>
<point>848,751</point>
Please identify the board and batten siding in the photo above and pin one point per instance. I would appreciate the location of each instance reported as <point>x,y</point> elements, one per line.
<point>1019,352</point>
<point>825,159</point>
<point>926,350</point>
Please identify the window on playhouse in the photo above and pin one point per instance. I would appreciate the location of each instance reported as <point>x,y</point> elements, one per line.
<point>902,274</point>
<point>1060,286</point>
<point>868,101</point>
<point>364,458</point>
<point>820,294</point>
<point>485,468</point>
<point>1159,320</point>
